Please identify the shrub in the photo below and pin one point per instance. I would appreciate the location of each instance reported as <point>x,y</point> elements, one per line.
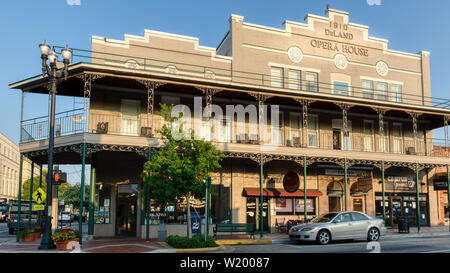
<point>65,234</point>
<point>24,232</point>
<point>197,241</point>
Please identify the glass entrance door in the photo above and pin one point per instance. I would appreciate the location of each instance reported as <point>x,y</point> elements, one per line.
<point>126,210</point>
<point>396,209</point>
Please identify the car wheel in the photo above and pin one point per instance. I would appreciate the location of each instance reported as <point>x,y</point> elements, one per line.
<point>373,235</point>
<point>323,237</point>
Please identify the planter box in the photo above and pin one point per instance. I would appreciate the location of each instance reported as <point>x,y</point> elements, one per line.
<point>28,238</point>
<point>63,244</point>
<point>37,235</point>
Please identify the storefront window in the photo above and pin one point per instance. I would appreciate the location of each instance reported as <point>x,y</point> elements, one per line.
<point>285,206</point>
<point>102,208</point>
<point>174,214</point>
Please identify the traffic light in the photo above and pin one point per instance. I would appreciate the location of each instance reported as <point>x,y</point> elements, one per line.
<point>59,177</point>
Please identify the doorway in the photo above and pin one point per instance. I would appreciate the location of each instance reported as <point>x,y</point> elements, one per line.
<point>130,123</point>
<point>358,203</point>
<point>126,210</point>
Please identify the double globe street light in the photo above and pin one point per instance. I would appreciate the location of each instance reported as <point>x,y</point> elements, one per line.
<point>53,74</point>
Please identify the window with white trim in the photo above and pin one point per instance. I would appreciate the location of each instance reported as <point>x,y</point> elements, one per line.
<point>276,74</point>
<point>396,93</point>
<point>313,131</point>
<point>294,79</point>
<point>340,88</point>
<point>367,89</point>
<point>311,81</point>
<point>382,91</point>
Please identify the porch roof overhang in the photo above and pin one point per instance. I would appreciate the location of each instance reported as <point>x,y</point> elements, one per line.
<point>280,192</point>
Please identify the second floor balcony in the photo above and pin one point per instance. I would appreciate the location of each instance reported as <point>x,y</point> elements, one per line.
<point>394,140</point>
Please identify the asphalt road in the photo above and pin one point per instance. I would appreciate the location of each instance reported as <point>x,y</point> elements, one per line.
<point>4,235</point>
<point>405,245</point>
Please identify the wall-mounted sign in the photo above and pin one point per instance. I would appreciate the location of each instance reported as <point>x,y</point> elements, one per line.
<point>440,184</point>
<point>291,182</point>
<point>402,183</point>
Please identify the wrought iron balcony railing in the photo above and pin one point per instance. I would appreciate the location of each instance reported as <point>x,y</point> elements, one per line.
<point>77,121</point>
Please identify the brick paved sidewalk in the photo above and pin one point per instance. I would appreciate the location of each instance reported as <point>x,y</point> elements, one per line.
<point>104,245</point>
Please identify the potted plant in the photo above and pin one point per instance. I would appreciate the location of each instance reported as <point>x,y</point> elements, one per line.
<point>37,232</point>
<point>27,235</point>
<point>64,236</point>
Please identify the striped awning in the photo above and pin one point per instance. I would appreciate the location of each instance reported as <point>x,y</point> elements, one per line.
<point>280,192</point>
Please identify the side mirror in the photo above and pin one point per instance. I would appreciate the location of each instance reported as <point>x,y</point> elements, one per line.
<point>336,221</point>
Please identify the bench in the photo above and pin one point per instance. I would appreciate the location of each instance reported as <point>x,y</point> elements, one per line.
<point>231,227</point>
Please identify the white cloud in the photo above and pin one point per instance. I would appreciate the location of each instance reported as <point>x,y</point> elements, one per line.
<point>78,2</point>
<point>373,2</point>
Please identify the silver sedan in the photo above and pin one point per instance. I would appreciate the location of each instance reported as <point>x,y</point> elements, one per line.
<point>339,226</point>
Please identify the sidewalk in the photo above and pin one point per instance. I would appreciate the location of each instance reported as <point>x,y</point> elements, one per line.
<point>103,245</point>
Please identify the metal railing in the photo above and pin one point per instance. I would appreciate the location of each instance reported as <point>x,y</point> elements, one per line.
<point>227,74</point>
<point>66,123</point>
<point>76,121</point>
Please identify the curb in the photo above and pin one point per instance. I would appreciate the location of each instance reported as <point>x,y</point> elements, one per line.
<point>244,242</point>
<point>416,235</point>
<point>208,249</point>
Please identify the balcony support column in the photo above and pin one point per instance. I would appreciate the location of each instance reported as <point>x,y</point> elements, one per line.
<point>383,193</point>
<point>344,108</point>
<point>381,113</point>
<point>87,98</point>
<point>417,197</point>
<point>446,118</point>
<point>19,205</point>
<point>305,104</point>
<point>261,198</point>
<point>92,200</point>
<point>80,214</point>
<point>31,194</point>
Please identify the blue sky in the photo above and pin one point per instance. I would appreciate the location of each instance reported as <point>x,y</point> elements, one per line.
<point>410,26</point>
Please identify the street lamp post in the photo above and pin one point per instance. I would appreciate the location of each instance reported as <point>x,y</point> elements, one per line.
<point>53,74</point>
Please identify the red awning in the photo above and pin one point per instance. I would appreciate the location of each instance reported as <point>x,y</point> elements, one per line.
<point>280,193</point>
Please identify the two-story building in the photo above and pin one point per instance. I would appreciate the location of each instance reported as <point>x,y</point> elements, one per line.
<point>355,128</point>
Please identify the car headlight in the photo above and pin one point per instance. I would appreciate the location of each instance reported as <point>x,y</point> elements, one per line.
<point>294,229</point>
<point>307,229</point>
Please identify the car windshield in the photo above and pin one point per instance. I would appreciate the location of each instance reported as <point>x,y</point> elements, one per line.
<point>325,218</point>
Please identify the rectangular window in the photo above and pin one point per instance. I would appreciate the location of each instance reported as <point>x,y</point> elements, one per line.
<point>367,89</point>
<point>382,91</point>
<point>276,74</point>
<point>313,127</point>
<point>340,88</point>
<point>295,127</point>
<point>294,79</point>
<point>368,135</point>
<point>396,93</point>
<point>311,81</point>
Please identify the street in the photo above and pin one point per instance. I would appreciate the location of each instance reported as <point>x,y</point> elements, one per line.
<point>404,245</point>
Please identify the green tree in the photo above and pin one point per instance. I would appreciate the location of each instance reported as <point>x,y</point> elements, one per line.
<point>71,195</point>
<point>180,167</point>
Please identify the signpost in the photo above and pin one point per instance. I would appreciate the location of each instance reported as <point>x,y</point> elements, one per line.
<point>208,186</point>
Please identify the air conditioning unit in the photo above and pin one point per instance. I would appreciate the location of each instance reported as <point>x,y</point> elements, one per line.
<point>410,151</point>
<point>146,131</point>
<point>102,128</point>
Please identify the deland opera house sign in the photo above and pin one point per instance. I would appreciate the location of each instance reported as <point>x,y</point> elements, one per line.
<point>338,30</point>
